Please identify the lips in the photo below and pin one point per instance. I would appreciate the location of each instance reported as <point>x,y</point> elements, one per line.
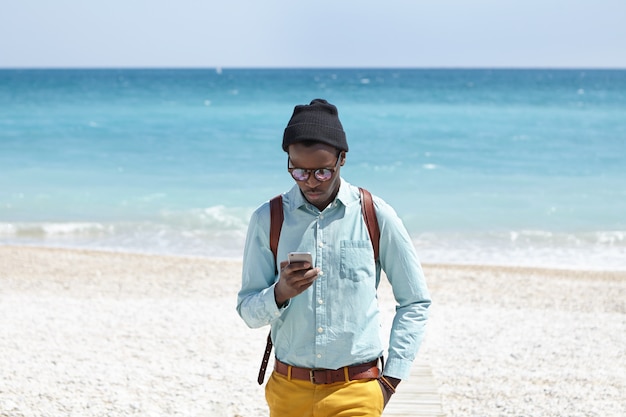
<point>313,194</point>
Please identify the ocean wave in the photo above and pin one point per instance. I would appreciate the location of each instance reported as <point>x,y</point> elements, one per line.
<point>215,218</point>
<point>51,229</point>
<point>213,231</point>
<point>594,250</point>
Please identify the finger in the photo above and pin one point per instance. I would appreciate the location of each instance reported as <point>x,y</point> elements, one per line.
<point>299,266</point>
<point>305,282</point>
<point>312,273</point>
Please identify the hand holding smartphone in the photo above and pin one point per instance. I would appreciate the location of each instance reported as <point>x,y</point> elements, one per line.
<point>294,279</point>
<point>300,257</point>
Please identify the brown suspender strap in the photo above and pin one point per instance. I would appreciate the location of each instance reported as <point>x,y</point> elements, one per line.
<point>276,224</point>
<point>369,214</point>
<point>266,359</point>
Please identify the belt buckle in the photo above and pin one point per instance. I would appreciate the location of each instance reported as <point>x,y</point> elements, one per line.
<point>312,376</point>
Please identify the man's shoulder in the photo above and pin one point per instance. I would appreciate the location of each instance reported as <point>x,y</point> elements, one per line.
<point>379,202</point>
<point>288,198</point>
<point>261,215</point>
<point>383,209</point>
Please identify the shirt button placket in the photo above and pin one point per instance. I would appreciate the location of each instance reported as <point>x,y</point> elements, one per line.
<point>320,288</point>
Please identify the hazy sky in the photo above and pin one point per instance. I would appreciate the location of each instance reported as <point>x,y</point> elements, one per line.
<point>319,33</point>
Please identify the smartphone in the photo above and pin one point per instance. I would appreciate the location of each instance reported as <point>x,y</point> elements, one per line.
<point>300,257</point>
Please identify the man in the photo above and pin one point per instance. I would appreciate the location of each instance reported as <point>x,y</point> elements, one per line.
<point>324,317</point>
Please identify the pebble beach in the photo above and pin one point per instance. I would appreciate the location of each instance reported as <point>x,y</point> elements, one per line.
<point>88,333</point>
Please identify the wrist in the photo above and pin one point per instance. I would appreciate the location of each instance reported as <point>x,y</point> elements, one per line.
<point>278,298</point>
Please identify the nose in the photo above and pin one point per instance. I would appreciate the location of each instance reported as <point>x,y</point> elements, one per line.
<point>312,182</point>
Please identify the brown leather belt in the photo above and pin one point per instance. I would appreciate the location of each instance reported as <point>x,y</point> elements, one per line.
<point>328,376</point>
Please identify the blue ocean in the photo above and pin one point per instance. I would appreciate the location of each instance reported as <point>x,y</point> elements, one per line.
<point>499,167</point>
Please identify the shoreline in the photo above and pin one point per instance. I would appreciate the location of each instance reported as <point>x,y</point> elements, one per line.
<point>94,332</point>
<point>512,267</point>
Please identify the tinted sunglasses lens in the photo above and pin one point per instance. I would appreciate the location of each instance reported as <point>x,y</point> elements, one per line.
<point>300,174</point>
<point>323,174</point>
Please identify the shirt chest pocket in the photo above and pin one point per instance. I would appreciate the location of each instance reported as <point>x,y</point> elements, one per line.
<point>356,260</point>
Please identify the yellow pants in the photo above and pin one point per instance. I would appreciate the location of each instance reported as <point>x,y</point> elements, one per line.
<point>295,398</point>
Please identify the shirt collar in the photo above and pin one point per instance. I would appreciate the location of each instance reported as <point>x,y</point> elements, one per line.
<point>345,196</point>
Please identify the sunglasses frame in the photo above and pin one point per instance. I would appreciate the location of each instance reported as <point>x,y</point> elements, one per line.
<point>317,172</point>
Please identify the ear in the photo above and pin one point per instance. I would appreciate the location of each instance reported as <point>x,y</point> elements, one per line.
<point>343,158</point>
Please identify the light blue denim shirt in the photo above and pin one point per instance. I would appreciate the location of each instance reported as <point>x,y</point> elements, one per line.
<point>335,322</point>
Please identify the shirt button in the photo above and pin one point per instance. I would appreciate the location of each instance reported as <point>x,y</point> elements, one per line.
<point>320,301</point>
<point>321,216</point>
<point>321,273</point>
<point>319,355</point>
<point>320,330</point>
<point>321,244</point>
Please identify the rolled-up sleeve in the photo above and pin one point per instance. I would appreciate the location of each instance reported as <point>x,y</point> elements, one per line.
<point>400,262</point>
<point>255,302</point>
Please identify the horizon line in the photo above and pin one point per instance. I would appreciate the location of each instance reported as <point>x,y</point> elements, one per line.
<point>333,68</point>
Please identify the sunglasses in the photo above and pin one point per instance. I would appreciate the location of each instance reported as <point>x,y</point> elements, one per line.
<point>320,174</point>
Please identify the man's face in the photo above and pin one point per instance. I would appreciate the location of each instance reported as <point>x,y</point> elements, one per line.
<point>319,193</point>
